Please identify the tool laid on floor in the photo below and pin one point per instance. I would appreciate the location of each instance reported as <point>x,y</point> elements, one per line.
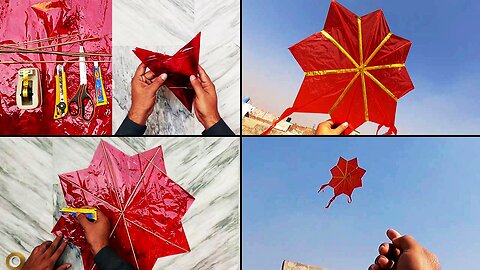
<point>15,261</point>
<point>82,100</point>
<point>90,213</point>
<point>29,89</point>
<point>100,95</point>
<point>61,107</point>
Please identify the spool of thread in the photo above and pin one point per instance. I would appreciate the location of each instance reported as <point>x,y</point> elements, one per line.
<point>15,261</point>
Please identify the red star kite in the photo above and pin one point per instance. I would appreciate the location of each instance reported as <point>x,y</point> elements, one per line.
<point>178,67</point>
<point>346,176</point>
<point>354,70</point>
<point>144,206</point>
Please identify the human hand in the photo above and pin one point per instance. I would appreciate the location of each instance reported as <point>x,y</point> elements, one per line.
<point>328,128</point>
<point>45,256</point>
<point>97,232</point>
<point>144,92</point>
<point>404,254</point>
<point>205,103</point>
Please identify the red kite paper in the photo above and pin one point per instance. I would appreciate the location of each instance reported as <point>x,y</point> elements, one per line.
<point>144,206</point>
<point>354,70</point>
<point>178,67</point>
<point>346,176</point>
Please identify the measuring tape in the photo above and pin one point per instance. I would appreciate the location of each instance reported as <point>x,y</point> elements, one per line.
<point>15,261</point>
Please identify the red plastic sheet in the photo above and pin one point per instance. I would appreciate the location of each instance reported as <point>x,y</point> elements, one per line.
<point>354,70</point>
<point>144,206</point>
<point>178,67</point>
<point>26,20</point>
<point>346,176</point>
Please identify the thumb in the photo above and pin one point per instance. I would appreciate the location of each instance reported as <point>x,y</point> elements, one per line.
<point>197,86</point>
<point>82,219</point>
<point>157,82</point>
<point>63,267</point>
<point>402,242</point>
<point>340,129</point>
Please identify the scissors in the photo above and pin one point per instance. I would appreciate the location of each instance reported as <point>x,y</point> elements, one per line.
<point>82,98</point>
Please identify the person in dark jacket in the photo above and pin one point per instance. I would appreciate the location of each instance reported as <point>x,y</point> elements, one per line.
<point>144,90</point>
<point>97,233</point>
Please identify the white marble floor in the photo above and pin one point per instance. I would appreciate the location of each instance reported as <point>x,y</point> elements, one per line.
<point>166,26</point>
<point>208,168</point>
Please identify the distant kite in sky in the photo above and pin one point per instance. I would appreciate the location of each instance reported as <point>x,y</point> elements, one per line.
<point>346,176</point>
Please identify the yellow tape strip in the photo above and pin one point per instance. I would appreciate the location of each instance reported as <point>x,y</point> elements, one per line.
<point>378,48</point>
<point>381,86</point>
<point>385,66</point>
<point>362,68</point>
<point>327,35</point>
<point>331,71</point>
<point>25,84</point>
<point>344,93</point>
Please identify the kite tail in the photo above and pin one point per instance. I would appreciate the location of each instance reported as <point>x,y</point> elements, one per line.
<point>284,115</point>
<point>330,202</point>
<point>323,187</point>
<point>349,199</point>
<point>391,130</point>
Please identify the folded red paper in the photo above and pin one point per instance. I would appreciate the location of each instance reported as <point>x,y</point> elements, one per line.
<point>178,67</point>
<point>145,207</point>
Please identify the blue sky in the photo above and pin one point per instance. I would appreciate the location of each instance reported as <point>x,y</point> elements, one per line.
<point>426,187</point>
<point>443,62</point>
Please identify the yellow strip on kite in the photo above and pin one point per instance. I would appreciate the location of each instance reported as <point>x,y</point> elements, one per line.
<point>344,93</point>
<point>381,86</point>
<point>385,66</point>
<point>362,68</point>
<point>332,71</point>
<point>378,48</point>
<point>327,35</point>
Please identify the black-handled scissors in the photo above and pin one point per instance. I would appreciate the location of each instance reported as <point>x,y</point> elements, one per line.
<point>82,99</point>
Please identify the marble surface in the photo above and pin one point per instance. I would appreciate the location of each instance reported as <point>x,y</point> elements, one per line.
<point>208,168</point>
<point>166,26</point>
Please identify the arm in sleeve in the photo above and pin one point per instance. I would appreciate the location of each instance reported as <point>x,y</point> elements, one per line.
<point>130,128</point>
<point>107,259</point>
<point>219,129</point>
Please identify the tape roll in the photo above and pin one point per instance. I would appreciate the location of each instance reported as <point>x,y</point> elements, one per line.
<point>15,261</point>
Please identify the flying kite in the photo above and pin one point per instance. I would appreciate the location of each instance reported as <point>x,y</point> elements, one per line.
<point>346,176</point>
<point>354,70</point>
<point>178,67</point>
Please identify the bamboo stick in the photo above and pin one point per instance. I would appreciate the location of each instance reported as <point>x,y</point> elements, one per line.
<point>71,54</point>
<point>41,62</point>
<point>61,44</point>
<point>46,39</point>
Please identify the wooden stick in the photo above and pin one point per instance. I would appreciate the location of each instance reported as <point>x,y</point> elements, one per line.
<point>41,62</point>
<point>61,44</point>
<point>46,39</point>
<point>71,54</point>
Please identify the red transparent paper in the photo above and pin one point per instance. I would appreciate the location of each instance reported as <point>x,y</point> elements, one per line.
<point>26,20</point>
<point>320,94</point>
<point>346,176</point>
<point>178,67</point>
<point>144,206</point>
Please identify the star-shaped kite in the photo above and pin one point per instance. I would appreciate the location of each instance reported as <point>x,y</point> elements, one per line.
<point>354,70</point>
<point>178,67</point>
<point>346,176</point>
<point>144,206</point>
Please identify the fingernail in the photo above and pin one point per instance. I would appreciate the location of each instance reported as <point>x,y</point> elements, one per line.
<point>69,266</point>
<point>192,78</point>
<point>345,124</point>
<point>163,76</point>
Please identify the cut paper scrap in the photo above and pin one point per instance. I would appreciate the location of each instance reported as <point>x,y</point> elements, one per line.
<point>144,206</point>
<point>346,176</point>
<point>354,70</point>
<point>178,67</point>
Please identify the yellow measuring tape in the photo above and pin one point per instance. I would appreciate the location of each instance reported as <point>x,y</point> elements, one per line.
<point>25,84</point>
